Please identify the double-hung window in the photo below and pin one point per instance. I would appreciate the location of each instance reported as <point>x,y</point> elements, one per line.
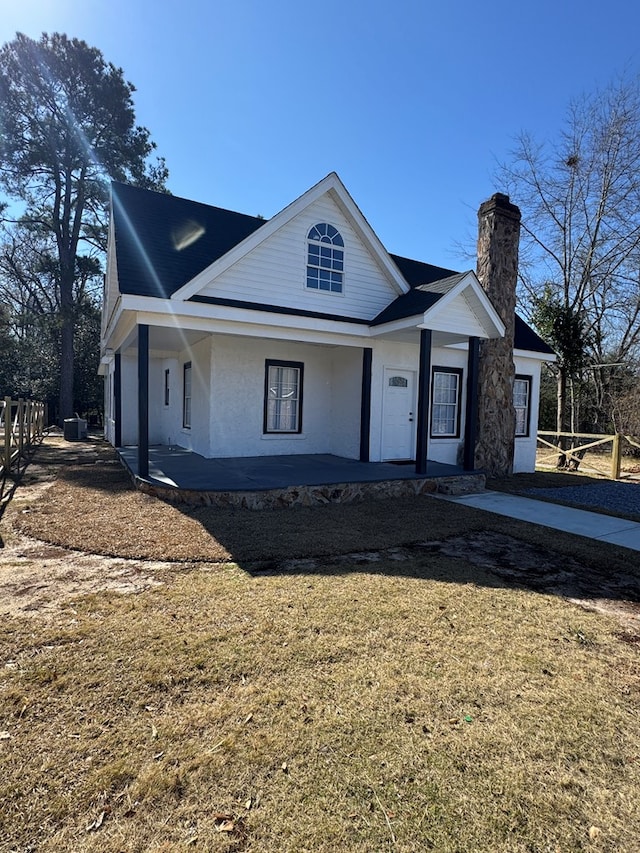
<point>521,403</point>
<point>325,258</point>
<point>445,402</point>
<point>283,396</point>
<point>186,396</point>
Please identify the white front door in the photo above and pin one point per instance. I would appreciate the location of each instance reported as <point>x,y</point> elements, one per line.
<point>398,414</point>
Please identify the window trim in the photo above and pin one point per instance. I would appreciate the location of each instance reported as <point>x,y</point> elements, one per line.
<point>297,365</point>
<point>529,380</point>
<point>456,371</point>
<point>186,421</point>
<point>167,396</point>
<point>335,243</point>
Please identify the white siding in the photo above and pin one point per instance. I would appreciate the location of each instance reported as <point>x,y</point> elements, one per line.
<point>405,357</point>
<point>525,450</point>
<point>458,317</point>
<point>111,287</point>
<point>346,385</point>
<point>109,404</point>
<point>331,399</point>
<point>198,437</point>
<point>129,398</point>
<point>169,418</point>
<point>228,399</point>
<point>275,272</point>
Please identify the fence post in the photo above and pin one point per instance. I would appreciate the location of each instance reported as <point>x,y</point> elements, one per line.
<point>28,419</point>
<point>615,457</point>
<point>21,426</point>
<point>7,433</point>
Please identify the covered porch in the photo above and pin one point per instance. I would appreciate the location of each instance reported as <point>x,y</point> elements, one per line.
<point>362,392</point>
<point>258,482</point>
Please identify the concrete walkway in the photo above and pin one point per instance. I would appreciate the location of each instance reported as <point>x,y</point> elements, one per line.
<point>594,525</point>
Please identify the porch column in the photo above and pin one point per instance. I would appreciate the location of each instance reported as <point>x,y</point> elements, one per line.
<point>365,404</point>
<point>424,386</point>
<point>117,400</point>
<point>143,400</point>
<point>471,411</point>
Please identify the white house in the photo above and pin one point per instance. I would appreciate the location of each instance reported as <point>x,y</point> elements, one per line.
<point>233,336</point>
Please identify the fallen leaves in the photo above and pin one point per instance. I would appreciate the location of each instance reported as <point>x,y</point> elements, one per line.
<point>95,825</point>
<point>228,823</point>
<point>224,822</point>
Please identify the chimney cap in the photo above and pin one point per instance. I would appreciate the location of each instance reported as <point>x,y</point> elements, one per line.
<point>500,202</point>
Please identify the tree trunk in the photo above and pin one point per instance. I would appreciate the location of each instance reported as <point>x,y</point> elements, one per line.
<point>66,347</point>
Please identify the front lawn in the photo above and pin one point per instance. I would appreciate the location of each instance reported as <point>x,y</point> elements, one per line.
<point>416,705</point>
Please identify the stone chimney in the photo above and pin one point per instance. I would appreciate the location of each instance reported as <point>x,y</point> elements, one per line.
<point>498,238</point>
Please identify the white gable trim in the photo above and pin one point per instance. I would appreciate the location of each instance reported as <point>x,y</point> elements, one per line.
<point>111,295</point>
<point>479,304</point>
<point>331,184</point>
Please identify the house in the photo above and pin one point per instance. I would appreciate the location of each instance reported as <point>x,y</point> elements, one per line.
<point>232,336</point>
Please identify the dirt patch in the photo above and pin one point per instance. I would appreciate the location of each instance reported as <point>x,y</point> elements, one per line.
<point>37,579</point>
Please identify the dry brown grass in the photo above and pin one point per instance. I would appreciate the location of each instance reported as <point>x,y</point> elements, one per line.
<point>403,705</point>
<point>92,506</point>
<point>320,712</point>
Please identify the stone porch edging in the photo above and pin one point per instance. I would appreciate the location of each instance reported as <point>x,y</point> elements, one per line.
<point>293,496</point>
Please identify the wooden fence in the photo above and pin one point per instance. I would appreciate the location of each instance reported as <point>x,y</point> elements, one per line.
<point>22,423</point>
<point>571,447</point>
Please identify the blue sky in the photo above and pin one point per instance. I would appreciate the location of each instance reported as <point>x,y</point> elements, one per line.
<point>412,103</point>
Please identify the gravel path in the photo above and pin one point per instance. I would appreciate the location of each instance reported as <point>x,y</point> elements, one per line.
<point>613,496</point>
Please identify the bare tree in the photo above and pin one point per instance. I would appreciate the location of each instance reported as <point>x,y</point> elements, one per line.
<point>580,255</point>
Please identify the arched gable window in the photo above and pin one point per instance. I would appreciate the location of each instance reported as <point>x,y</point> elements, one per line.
<point>325,258</point>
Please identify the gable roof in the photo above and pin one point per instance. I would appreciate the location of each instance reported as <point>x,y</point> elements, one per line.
<point>336,190</point>
<point>417,272</point>
<point>163,242</point>
<point>428,284</point>
<point>421,297</point>
<point>440,302</point>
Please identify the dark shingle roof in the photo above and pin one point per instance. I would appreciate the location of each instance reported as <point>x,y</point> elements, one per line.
<point>163,241</point>
<point>408,305</point>
<point>420,298</point>
<point>525,338</point>
<point>152,232</point>
<point>416,273</point>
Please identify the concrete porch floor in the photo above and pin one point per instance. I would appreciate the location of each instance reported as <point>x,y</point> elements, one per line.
<point>179,474</point>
